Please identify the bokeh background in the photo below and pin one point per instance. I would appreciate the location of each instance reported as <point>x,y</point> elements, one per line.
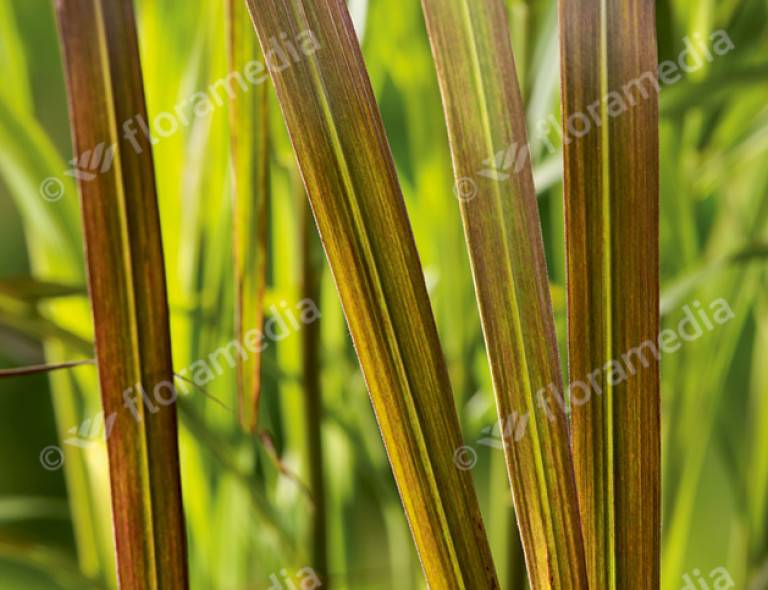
<point>246,520</point>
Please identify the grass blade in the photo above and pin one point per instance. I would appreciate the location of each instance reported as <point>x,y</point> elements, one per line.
<point>485,117</point>
<point>349,174</point>
<point>249,128</point>
<point>311,343</point>
<point>37,369</point>
<point>128,294</point>
<point>610,111</point>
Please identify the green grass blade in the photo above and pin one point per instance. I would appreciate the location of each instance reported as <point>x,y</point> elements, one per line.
<point>311,344</point>
<point>249,129</point>
<point>128,294</point>
<point>612,210</point>
<point>349,174</point>
<point>55,248</point>
<point>30,157</point>
<point>758,492</point>
<point>14,61</point>
<point>486,117</point>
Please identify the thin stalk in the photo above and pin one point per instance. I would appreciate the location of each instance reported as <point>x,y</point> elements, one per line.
<point>312,272</point>
<point>250,141</point>
<point>37,369</point>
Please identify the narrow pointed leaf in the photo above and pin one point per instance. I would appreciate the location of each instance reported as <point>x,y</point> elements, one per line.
<point>486,127</point>
<point>610,112</point>
<point>38,369</point>
<point>349,175</point>
<point>249,128</point>
<point>127,289</point>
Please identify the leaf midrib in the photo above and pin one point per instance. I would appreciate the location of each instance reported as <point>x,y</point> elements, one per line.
<point>607,282</point>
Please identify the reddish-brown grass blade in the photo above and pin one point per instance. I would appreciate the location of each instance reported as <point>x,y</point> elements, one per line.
<point>610,114</point>
<point>127,290</point>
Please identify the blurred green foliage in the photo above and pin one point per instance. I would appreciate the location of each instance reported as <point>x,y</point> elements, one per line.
<point>245,519</point>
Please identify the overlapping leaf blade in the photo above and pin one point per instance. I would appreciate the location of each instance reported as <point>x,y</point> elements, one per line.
<point>486,127</point>
<point>348,171</point>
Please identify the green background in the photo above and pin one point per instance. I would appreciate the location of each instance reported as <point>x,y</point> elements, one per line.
<point>245,520</point>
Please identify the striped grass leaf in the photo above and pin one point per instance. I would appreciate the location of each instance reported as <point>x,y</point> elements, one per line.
<point>610,113</point>
<point>249,137</point>
<point>127,290</point>
<point>485,117</point>
<point>348,171</point>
